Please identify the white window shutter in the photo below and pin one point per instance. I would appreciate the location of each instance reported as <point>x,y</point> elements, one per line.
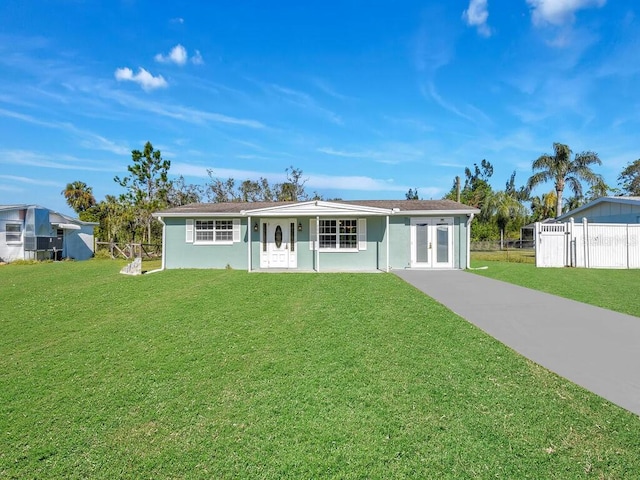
<point>236,230</point>
<point>362,234</point>
<point>312,233</point>
<point>189,230</point>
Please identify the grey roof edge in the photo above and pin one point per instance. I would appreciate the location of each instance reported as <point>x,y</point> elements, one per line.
<point>629,200</point>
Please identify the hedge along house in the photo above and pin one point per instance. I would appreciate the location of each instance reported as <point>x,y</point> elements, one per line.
<point>318,235</point>
<point>32,232</point>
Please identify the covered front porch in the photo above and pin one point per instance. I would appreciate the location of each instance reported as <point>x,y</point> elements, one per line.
<point>318,237</point>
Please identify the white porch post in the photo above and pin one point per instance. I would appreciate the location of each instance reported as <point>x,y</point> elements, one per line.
<point>388,235</point>
<point>249,231</point>
<point>317,243</point>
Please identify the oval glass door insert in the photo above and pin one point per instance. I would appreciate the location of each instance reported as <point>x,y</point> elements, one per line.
<point>278,236</point>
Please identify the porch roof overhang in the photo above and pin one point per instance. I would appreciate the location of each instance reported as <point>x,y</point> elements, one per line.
<point>67,226</point>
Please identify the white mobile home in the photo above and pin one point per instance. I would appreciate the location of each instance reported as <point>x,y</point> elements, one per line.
<point>32,232</point>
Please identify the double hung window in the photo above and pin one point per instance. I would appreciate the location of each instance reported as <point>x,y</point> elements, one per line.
<point>214,231</point>
<point>14,233</point>
<point>339,234</point>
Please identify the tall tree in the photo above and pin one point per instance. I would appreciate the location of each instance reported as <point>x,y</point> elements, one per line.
<point>255,191</point>
<point>293,189</point>
<point>221,191</point>
<point>476,185</point>
<point>629,179</point>
<point>79,196</point>
<point>148,184</point>
<point>181,193</point>
<point>562,171</point>
<point>412,194</point>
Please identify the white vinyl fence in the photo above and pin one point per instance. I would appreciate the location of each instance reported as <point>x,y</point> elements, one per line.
<point>587,245</point>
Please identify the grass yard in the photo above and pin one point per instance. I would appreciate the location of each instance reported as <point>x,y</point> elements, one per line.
<point>612,289</point>
<point>225,374</point>
<point>513,256</point>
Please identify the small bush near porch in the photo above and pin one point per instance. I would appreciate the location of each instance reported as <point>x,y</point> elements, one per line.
<point>225,374</point>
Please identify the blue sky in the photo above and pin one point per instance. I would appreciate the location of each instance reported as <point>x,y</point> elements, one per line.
<point>369,99</point>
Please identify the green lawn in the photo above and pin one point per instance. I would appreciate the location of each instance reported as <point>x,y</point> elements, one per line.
<point>225,374</point>
<point>612,289</point>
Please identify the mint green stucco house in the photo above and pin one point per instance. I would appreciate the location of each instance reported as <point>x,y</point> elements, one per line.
<point>318,236</point>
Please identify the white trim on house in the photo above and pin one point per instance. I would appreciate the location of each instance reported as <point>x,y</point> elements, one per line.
<point>316,207</point>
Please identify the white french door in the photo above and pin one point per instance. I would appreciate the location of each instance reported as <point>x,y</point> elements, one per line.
<point>432,242</point>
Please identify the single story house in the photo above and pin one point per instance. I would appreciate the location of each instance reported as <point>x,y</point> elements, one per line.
<point>318,235</point>
<point>32,232</point>
<point>606,210</point>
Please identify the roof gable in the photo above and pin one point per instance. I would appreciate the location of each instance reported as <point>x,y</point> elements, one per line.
<point>317,207</point>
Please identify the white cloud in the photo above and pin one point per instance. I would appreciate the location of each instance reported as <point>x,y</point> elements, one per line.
<point>197,59</point>
<point>304,101</point>
<point>56,161</point>
<point>30,181</point>
<point>558,12</point>
<point>177,55</point>
<point>314,181</point>
<point>177,112</point>
<point>142,78</point>
<point>477,15</point>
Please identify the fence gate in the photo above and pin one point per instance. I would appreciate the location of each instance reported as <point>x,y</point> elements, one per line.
<point>551,244</point>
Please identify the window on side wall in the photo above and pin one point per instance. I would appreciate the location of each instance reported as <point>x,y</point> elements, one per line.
<point>14,233</point>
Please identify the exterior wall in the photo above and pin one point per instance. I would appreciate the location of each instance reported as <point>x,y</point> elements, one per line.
<point>400,247</point>
<point>180,254</point>
<point>78,244</point>
<point>399,242</point>
<point>609,212</point>
<point>11,251</point>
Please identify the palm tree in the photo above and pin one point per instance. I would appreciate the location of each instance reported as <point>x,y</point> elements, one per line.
<point>543,207</point>
<point>79,196</point>
<point>563,171</point>
<point>505,208</point>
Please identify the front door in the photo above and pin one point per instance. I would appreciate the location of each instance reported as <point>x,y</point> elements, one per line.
<point>432,243</point>
<point>280,243</point>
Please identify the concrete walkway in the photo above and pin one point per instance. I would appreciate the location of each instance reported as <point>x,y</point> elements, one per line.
<point>596,348</point>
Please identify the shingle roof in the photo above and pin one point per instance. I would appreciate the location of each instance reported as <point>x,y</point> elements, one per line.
<point>401,205</point>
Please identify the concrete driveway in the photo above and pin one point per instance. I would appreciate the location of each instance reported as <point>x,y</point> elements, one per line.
<point>596,348</point>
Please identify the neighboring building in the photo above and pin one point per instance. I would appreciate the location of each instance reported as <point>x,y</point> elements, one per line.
<point>606,210</point>
<point>318,235</point>
<point>31,232</point>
